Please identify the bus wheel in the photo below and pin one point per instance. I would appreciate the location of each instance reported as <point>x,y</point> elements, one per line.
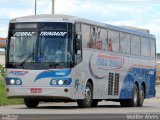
<point>141,96</point>
<point>31,103</point>
<point>94,103</point>
<point>87,101</point>
<point>134,101</point>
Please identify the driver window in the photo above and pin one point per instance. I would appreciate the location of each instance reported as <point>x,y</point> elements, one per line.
<point>78,55</point>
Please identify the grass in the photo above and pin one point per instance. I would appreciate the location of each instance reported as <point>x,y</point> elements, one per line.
<point>4,100</point>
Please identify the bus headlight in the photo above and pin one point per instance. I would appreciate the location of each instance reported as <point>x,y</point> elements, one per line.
<point>60,82</point>
<point>66,82</point>
<point>18,82</point>
<point>54,82</point>
<point>12,81</point>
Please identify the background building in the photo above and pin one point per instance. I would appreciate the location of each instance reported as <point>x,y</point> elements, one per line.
<point>2,42</point>
<point>158,68</point>
<point>2,50</point>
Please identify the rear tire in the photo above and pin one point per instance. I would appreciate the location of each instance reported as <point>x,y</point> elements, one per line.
<point>87,101</point>
<point>134,101</point>
<point>31,103</point>
<point>141,96</point>
<point>131,102</point>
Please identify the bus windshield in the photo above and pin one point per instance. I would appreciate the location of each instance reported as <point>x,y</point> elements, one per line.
<point>22,47</point>
<point>54,49</point>
<point>49,48</point>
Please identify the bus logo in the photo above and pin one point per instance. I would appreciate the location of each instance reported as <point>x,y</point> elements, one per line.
<point>18,34</point>
<point>18,73</point>
<point>53,34</point>
<point>109,62</point>
<point>99,63</point>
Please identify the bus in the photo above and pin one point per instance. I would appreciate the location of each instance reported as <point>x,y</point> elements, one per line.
<point>61,58</point>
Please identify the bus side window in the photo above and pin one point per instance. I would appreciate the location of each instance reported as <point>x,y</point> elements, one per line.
<point>113,43</point>
<point>135,45</point>
<point>145,46</point>
<point>153,47</point>
<point>124,42</point>
<point>78,43</point>
<point>103,38</point>
<point>85,35</point>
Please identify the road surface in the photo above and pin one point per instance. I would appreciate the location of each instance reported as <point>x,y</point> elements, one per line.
<point>65,111</point>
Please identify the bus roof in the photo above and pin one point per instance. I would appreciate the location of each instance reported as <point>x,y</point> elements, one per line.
<point>73,19</point>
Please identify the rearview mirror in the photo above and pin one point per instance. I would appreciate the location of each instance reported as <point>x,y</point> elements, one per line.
<point>78,43</point>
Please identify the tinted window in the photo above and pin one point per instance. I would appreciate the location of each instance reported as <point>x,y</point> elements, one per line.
<point>153,47</point>
<point>145,46</point>
<point>124,42</point>
<point>103,38</point>
<point>135,45</point>
<point>113,40</point>
<point>94,38</point>
<point>85,34</point>
<point>55,26</point>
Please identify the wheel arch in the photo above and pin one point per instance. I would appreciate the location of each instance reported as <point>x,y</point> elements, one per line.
<point>144,85</point>
<point>136,83</point>
<point>91,82</point>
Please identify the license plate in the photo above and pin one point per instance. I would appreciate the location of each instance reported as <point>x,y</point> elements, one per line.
<point>35,90</point>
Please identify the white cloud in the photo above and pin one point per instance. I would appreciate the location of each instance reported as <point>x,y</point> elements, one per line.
<point>44,6</point>
<point>139,13</point>
<point>14,13</point>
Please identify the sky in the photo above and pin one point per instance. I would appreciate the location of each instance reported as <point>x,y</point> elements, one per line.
<point>139,13</point>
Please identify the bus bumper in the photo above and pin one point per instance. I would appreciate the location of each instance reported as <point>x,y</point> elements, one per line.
<point>50,92</point>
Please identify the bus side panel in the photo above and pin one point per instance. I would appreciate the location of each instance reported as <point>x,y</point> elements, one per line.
<point>140,72</point>
<point>114,75</point>
<point>151,82</point>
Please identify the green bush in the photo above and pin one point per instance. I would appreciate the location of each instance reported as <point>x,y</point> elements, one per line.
<point>2,71</point>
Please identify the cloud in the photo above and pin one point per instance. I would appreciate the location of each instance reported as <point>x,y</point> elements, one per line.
<point>44,6</point>
<point>139,13</point>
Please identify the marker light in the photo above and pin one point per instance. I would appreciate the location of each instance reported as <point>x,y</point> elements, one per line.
<point>66,90</point>
<point>60,82</point>
<point>54,82</point>
<point>12,81</point>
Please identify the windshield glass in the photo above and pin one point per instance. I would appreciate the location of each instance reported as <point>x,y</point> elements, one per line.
<point>49,45</point>
<point>22,45</point>
<point>55,47</point>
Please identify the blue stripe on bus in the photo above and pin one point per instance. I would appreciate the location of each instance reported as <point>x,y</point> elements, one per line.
<point>53,73</point>
<point>146,75</point>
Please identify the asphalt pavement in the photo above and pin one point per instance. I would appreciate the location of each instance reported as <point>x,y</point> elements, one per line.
<point>70,111</point>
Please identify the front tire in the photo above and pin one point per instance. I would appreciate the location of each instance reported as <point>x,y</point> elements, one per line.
<point>31,103</point>
<point>87,101</point>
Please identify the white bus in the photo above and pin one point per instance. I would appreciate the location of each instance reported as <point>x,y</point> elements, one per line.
<point>66,58</point>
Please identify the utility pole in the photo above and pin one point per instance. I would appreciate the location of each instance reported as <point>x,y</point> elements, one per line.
<point>52,6</point>
<point>35,6</point>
